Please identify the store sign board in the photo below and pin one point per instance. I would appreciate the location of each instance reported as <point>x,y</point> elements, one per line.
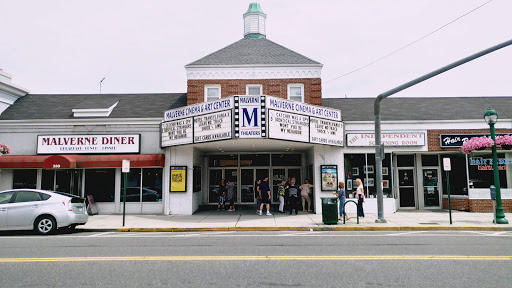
<point>212,127</point>
<point>248,119</point>
<point>326,132</point>
<point>199,109</point>
<point>388,139</point>
<point>177,132</point>
<point>457,140</point>
<point>88,144</point>
<point>302,108</point>
<point>288,126</point>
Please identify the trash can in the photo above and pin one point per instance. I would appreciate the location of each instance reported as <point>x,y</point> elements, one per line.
<point>330,210</point>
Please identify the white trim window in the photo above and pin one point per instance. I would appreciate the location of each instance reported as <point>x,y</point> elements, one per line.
<point>296,92</point>
<point>254,89</point>
<point>211,92</point>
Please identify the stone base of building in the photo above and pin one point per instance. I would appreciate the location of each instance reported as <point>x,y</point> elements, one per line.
<point>476,205</point>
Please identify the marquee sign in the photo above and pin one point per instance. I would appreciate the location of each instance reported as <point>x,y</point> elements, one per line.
<point>388,139</point>
<point>212,127</point>
<point>177,132</point>
<point>326,132</point>
<point>250,117</point>
<point>302,108</point>
<point>288,126</point>
<point>88,144</point>
<point>199,109</point>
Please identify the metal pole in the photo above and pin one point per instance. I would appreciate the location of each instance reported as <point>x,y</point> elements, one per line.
<point>449,197</point>
<point>500,216</point>
<point>376,107</point>
<point>124,196</point>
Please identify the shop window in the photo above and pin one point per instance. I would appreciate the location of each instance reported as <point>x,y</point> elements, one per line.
<point>481,170</point>
<point>25,178</point>
<point>296,92</point>
<point>254,160</point>
<point>286,159</point>
<point>254,90</point>
<point>458,176</point>
<point>362,166</point>
<point>223,160</point>
<point>100,183</point>
<point>212,93</point>
<point>429,160</point>
<point>405,160</point>
<point>149,191</point>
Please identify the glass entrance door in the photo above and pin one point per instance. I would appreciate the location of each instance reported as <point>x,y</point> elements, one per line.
<point>65,180</point>
<point>406,188</point>
<point>431,187</point>
<point>247,186</point>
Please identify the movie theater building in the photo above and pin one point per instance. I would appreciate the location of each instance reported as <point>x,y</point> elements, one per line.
<point>253,109</point>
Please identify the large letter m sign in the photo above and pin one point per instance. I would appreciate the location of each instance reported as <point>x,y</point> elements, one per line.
<point>250,118</point>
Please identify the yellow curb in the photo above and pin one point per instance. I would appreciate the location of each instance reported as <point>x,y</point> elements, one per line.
<point>319,228</point>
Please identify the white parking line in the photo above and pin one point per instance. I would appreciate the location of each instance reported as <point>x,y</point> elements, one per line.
<point>405,233</point>
<point>100,234</point>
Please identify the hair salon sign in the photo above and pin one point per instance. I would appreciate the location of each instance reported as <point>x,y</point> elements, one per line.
<point>388,139</point>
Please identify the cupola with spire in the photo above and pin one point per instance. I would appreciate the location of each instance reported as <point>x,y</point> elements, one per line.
<point>254,22</point>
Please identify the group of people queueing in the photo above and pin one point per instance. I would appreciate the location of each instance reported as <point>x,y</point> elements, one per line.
<point>341,194</point>
<point>286,190</point>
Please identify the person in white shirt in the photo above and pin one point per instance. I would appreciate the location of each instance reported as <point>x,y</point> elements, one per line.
<point>360,197</point>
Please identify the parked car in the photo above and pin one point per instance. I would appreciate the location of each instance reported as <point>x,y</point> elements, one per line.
<point>40,210</point>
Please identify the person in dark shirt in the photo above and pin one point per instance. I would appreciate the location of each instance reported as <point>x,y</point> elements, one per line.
<point>265,196</point>
<point>258,195</point>
<point>293,196</point>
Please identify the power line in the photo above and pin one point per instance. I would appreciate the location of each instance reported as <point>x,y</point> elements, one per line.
<point>415,41</point>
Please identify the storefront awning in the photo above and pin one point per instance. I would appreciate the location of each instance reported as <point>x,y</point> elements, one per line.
<point>80,161</point>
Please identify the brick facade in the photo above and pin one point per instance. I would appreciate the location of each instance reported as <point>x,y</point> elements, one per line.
<point>477,205</point>
<point>434,142</point>
<point>271,87</point>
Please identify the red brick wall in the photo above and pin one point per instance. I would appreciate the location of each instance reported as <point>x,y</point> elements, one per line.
<point>271,87</point>
<point>434,142</point>
<point>477,205</point>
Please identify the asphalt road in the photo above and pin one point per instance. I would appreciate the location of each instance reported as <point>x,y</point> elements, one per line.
<point>258,259</point>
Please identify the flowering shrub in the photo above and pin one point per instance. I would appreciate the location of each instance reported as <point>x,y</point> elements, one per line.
<point>476,143</point>
<point>504,140</point>
<point>4,148</point>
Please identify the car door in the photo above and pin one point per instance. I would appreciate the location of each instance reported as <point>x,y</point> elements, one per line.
<point>22,212</point>
<point>5,198</point>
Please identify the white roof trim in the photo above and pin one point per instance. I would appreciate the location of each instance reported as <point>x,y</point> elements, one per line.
<point>100,112</point>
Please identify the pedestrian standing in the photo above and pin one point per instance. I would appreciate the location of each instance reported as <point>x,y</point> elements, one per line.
<point>231,195</point>
<point>222,195</point>
<point>342,197</point>
<point>305,190</point>
<point>360,197</point>
<point>258,195</point>
<point>281,188</point>
<point>265,196</point>
<point>293,197</point>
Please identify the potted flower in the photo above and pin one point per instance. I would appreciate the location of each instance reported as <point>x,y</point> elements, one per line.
<point>505,141</point>
<point>476,143</point>
<point>4,148</point>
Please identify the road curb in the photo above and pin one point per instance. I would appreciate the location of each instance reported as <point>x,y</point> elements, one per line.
<point>321,228</point>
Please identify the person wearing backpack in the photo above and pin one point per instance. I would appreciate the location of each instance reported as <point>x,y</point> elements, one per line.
<point>293,196</point>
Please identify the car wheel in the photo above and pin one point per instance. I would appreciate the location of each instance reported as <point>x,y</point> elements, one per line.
<point>45,225</point>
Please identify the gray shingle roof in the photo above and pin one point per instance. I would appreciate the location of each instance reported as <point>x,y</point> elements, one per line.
<point>48,106</point>
<point>249,51</point>
<point>437,108</point>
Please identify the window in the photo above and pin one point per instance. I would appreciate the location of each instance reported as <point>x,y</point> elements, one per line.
<point>149,191</point>
<point>296,92</point>
<point>100,184</point>
<point>24,178</point>
<point>255,90</point>
<point>27,196</point>
<point>6,197</point>
<point>211,92</point>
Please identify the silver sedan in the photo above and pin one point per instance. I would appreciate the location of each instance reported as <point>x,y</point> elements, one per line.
<point>40,210</point>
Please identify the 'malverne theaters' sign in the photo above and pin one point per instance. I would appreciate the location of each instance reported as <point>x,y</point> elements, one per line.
<point>388,139</point>
<point>88,144</point>
<point>252,117</point>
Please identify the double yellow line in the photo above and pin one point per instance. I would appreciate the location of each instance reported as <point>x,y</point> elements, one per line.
<point>256,258</point>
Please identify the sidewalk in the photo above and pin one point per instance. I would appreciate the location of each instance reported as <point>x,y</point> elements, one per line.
<point>243,221</point>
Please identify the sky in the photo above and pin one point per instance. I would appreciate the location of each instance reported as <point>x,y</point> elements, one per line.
<point>140,46</point>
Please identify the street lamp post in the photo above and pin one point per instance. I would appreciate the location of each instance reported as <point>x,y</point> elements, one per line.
<point>491,117</point>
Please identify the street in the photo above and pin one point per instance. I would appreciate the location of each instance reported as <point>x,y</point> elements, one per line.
<point>258,259</point>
